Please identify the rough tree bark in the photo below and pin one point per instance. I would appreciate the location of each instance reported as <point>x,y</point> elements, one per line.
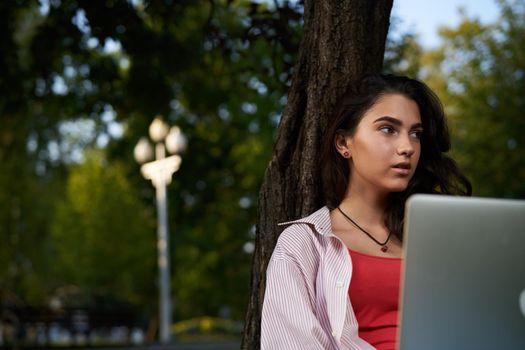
<point>342,40</point>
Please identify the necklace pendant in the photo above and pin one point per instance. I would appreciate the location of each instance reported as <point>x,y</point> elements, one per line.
<point>384,248</point>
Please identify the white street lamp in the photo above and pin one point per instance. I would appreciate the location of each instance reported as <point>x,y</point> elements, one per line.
<point>143,151</point>
<point>158,129</point>
<point>175,141</point>
<point>160,172</point>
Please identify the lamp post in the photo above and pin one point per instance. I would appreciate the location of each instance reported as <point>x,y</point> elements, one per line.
<point>160,171</point>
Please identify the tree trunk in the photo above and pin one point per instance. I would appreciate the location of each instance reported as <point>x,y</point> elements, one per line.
<point>342,40</point>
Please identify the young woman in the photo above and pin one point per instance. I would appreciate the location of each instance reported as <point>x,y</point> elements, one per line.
<point>333,279</point>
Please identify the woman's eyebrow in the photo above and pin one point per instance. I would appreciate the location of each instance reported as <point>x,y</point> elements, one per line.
<point>396,122</point>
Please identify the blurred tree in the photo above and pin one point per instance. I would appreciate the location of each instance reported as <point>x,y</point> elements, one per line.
<point>84,74</point>
<point>23,198</point>
<point>480,74</point>
<point>403,53</point>
<point>103,238</point>
<point>342,40</point>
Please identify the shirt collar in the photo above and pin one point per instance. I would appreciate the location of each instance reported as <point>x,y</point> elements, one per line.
<point>319,220</point>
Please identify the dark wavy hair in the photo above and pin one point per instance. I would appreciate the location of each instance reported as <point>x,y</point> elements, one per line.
<point>436,172</point>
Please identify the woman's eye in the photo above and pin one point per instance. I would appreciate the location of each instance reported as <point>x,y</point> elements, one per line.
<point>387,129</point>
<point>416,134</point>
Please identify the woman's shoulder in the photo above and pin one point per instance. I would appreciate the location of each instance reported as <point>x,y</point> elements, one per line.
<point>305,232</point>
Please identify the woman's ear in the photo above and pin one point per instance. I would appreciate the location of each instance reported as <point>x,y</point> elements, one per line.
<point>341,144</point>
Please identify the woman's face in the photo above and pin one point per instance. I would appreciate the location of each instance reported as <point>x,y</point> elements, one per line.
<point>384,150</point>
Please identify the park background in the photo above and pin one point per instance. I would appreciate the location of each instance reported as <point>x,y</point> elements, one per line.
<point>82,80</point>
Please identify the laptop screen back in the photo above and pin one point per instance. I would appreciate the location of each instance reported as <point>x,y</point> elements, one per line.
<point>464,274</point>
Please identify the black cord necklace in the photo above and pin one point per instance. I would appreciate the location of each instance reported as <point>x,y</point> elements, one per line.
<point>383,245</point>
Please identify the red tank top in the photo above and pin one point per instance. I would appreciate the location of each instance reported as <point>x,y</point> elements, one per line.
<point>374,294</point>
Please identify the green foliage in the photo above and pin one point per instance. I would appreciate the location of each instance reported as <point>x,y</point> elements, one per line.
<point>103,238</point>
<point>480,73</point>
<point>219,69</point>
<point>403,52</point>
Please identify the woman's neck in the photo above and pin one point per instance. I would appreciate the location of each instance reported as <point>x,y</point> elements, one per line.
<point>365,206</point>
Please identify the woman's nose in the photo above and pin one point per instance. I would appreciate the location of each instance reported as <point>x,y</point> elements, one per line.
<point>405,147</point>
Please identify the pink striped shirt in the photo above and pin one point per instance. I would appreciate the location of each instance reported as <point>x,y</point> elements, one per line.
<point>306,304</point>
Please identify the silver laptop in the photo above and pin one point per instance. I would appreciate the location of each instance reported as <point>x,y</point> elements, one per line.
<point>463,283</point>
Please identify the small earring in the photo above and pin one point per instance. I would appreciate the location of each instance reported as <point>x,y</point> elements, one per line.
<point>346,154</point>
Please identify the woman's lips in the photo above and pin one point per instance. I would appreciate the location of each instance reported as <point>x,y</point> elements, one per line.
<point>402,168</point>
